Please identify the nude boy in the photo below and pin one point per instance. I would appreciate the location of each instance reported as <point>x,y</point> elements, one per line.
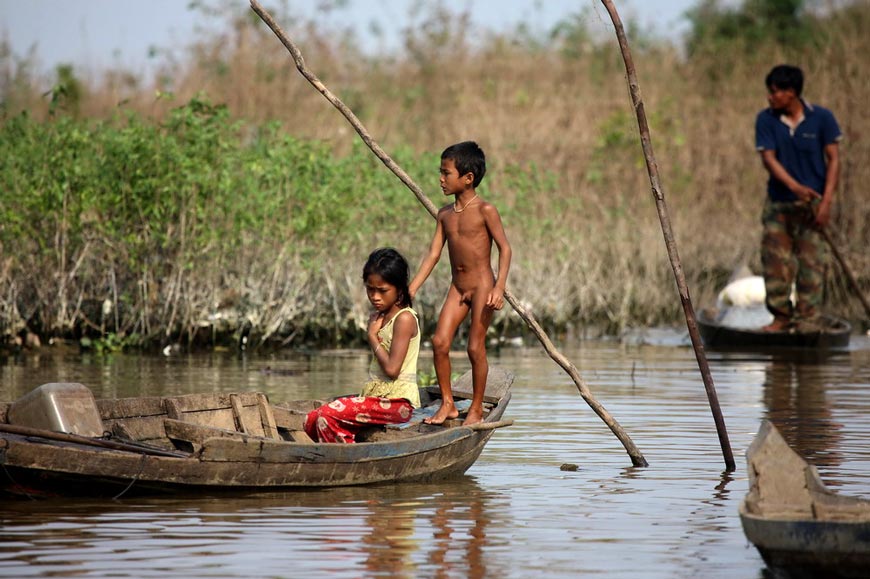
<point>469,226</point>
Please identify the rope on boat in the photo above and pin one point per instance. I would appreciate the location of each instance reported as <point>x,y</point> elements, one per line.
<point>135,478</point>
<point>15,483</point>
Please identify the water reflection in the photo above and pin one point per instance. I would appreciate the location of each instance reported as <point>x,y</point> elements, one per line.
<point>396,531</point>
<point>720,496</point>
<point>465,524</point>
<point>516,515</point>
<point>795,395</point>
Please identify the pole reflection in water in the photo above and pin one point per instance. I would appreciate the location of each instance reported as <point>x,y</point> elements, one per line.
<point>795,395</point>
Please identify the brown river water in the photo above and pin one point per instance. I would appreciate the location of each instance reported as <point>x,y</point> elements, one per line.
<point>514,515</point>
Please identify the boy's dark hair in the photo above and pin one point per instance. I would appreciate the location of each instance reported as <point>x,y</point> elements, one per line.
<point>390,265</point>
<point>785,77</point>
<point>468,158</point>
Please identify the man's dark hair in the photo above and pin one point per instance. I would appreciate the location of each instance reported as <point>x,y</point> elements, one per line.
<point>468,158</point>
<point>786,77</point>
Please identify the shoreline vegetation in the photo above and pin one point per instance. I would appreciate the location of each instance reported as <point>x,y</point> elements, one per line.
<point>227,200</point>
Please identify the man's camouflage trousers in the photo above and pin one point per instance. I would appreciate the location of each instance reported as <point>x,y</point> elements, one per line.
<point>792,251</point>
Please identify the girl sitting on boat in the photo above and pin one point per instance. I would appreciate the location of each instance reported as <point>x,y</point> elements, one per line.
<point>391,394</point>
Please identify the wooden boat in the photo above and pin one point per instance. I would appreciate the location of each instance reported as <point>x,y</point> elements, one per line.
<point>58,440</point>
<point>832,333</point>
<point>795,521</point>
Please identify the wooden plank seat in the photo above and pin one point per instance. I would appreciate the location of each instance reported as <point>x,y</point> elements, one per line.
<point>290,424</point>
<point>427,412</point>
<point>498,384</point>
<point>144,420</point>
<point>190,437</point>
<point>271,423</point>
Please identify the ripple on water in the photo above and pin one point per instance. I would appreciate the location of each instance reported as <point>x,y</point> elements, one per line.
<point>515,515</point>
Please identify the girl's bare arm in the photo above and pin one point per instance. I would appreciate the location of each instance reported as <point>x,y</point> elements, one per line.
<point>404,329</point>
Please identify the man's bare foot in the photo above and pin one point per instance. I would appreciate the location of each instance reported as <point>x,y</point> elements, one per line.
<point>446,412</point>
<point>777,325</point>
<point>473,417</point>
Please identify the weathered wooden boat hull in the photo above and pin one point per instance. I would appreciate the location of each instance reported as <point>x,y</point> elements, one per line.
<point>811,548</point>
<point>242,465</point>
<point>715,336</point>
<point>796,523</point>
<point>241,462</point>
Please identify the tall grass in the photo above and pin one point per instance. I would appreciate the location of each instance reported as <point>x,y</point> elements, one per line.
<point>181,213</point>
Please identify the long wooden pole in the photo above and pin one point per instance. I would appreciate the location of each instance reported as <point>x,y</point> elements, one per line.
<point>848,270</point>
<point>670,242</point>
<point>66,437</point>
<point>637,458</point>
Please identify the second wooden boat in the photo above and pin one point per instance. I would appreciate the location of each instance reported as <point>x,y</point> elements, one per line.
<point>795,521</point>
<point>830,334</point>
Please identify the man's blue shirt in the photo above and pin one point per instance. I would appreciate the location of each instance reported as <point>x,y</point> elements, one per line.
<point>801,153</point>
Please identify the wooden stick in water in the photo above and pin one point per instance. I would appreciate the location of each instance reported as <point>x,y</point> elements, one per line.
<point>637,458</point>
<point>670,241</point>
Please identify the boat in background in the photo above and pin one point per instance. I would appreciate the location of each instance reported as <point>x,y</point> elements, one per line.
<point>797,524</point>
<point>58,440</point>
<point>740,313</point>
<point>829,333</point>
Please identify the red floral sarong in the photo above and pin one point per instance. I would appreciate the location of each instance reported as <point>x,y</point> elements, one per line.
<point>343,418</point>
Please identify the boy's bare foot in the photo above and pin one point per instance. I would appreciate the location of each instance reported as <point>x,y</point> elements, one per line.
<point>473,417</point>
<point>777,325</point>
<point>446,412</point>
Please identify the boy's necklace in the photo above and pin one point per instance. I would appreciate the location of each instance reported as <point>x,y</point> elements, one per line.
<point>456,204</point>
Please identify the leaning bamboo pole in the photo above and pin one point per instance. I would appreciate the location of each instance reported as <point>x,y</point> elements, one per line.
<point>637,458</point>
<point>670,241</point>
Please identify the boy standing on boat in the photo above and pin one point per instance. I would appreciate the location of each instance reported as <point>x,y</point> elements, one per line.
<point>798,143</point>
<point>469,226</point>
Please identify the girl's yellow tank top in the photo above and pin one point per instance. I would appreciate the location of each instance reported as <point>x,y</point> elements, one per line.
<point>405,386</point>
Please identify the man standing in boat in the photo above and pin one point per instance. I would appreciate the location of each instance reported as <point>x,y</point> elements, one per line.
<point>798,143</point>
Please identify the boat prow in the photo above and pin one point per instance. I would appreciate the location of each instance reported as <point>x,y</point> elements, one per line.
<point>797,523</point>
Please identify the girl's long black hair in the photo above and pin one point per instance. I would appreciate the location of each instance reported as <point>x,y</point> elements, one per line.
<point>390,265</point>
